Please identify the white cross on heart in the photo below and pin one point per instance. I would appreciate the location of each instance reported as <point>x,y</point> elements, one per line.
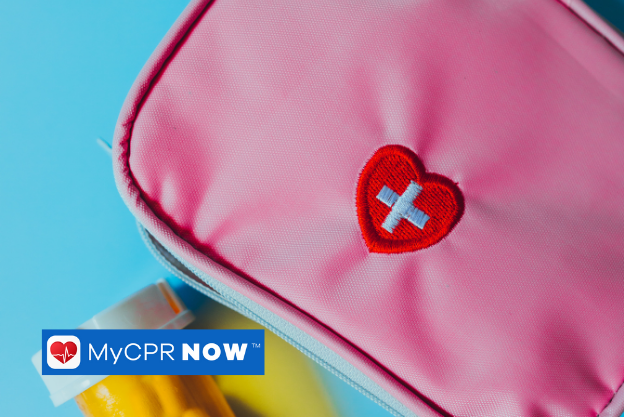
<point>402,207</point>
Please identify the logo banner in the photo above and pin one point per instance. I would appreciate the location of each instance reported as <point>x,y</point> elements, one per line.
<point>153,352</point>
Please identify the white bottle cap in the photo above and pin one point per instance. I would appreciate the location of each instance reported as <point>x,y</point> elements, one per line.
<point>154,307</point>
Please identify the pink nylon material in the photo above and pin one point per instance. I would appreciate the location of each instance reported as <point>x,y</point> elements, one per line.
<point>248,145</point>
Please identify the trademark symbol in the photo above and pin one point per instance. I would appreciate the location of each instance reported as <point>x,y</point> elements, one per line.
<point>255,345</point>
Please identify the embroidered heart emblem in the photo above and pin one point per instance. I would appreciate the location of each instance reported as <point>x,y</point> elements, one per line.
<point>63,351</point>
<point>400,206</point>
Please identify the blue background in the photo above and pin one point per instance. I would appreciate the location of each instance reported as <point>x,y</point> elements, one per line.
<point>68,246</point>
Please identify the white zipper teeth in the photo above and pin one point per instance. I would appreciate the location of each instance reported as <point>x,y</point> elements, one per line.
<point>235,305</point>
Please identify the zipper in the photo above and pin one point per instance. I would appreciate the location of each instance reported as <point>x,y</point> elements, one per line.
<point>212,288</point>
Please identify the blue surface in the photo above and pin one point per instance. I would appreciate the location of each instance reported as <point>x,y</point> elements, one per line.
<point>69,247</point>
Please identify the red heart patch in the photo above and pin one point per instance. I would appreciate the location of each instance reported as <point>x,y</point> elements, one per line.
<point>63,351</point>
<point>400,206</point>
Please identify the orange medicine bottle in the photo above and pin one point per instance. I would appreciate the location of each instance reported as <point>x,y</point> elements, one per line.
<point>154,307</point>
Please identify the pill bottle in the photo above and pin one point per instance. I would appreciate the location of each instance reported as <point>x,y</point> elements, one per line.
<point>154,307</point>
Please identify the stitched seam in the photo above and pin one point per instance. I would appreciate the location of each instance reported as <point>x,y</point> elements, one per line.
<point>235,305</point>
<point>568,4</point>
<point>621,387</point>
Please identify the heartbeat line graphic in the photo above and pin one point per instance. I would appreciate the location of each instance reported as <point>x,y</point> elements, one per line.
<point>66,356</point>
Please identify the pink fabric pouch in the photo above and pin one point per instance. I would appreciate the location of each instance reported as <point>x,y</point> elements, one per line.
<point>427,197</point>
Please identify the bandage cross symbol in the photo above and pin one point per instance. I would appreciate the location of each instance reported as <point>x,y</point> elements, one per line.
<point>402,207</point>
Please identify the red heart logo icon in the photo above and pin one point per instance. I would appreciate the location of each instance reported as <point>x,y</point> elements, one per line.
<point>63,351</point>
<point>400,206</point>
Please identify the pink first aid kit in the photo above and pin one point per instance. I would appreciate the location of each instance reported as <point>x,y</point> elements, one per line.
<point>426,197</point>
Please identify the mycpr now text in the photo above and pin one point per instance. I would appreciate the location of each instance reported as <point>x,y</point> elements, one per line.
<point>165,351</point>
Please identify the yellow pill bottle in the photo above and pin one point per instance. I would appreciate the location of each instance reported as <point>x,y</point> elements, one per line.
<point>154,307</point>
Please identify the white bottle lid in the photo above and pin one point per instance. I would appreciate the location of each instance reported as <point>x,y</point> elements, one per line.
<point>154,307</point>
